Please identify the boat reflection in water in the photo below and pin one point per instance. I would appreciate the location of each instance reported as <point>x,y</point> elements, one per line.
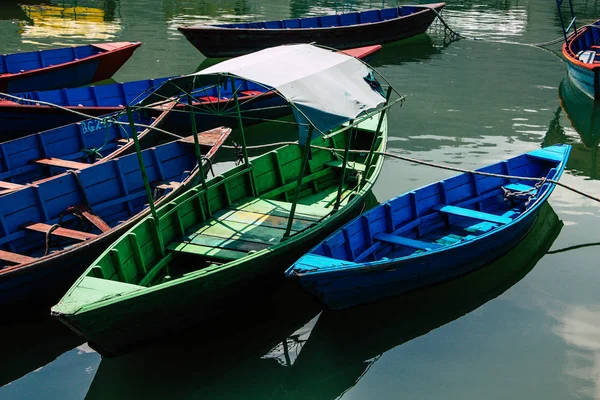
<point>29,344</point>
<point>344,345</point>
<point>584,115</point>
<point>66,22</point>
<point>286,350</point>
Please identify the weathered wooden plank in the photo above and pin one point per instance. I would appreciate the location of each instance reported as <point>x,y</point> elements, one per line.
<point>62,232</point>
<point>236,230</point>
<point>281,208</point>
<point>208,252</point>
<point>92,218</point>
<point>223,243</point>
<point>10,185</point>
<point>15,258</point>
<point>57,162</point>
<point>293,184</point>
<point>252,218</point>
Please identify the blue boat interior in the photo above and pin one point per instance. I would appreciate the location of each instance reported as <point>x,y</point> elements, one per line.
<point>32,60</point>
<point>587,45</point>
<point>131,93</point>
<point>75,146</point>
<point>327,21</point>
<point>443,214</point>
<point>78,206</point>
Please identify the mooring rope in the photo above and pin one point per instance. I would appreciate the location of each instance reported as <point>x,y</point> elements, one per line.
<point>457,35</point>
<point>431,164</point>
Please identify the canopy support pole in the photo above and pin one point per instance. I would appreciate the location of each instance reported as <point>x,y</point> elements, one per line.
<point>371,154</point>
<point>138,151</point>
<point>306,149</point>
<point>196,142</point>
<point>241,125</point>
<point>338,198</point>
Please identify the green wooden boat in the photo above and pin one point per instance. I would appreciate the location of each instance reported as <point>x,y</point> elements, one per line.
<point>221,242</point>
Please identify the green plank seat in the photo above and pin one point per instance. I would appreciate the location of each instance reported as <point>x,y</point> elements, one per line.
<point>206,251</point>
<point>282,208</point>
<point>465,212</point>
<point>350,165</point>
<point>406,242</point>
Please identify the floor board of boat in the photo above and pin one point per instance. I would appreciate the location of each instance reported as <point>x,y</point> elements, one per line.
<point>253,225</point>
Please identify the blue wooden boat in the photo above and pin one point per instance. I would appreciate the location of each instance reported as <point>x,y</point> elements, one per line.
<point>582,52</point>
<point>343,31</point>
<point>63,67</point>
<point>431,234</point>
<point>40,156</point>
<point>51,230</point>
<point>258,103</point>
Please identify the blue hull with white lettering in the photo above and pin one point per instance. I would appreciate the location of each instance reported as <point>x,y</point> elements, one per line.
<point>432,234</point>
<point>32,114</point>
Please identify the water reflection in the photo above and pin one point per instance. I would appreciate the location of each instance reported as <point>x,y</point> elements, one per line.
<point>240,355</point>
<point>285,350</point>
<point>584,116</point>
<point>30,344</point>
<point>66,21</point>
<point>344,345</point>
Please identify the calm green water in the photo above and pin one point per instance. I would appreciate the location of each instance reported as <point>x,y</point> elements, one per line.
<point>527,326</point>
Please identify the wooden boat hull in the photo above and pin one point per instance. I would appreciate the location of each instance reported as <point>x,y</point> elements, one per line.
<point>28,116</point>
<point>113,327</point>
<point>584,72</point>
<point>342,283</point>
<point>77,72</point>
<point>221,41</point>
<point>36,284</point>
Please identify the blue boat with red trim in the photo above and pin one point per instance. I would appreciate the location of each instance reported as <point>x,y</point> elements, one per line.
<point>33,114</point>
<point>431,234</point>
<point>66,67</point>
<point>581,50</point>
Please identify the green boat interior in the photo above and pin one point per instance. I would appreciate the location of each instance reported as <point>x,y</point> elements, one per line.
<point>243,211</point>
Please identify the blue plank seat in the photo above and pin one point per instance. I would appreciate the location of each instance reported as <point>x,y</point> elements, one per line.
<point>479,215</point>
<point>406,242</point>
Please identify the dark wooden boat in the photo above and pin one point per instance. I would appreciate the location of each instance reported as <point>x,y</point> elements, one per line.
<point>341,31</point>
<point>62,68</point>
<point>26,116</point>
<point>50,231</point>
<point>431,234</point>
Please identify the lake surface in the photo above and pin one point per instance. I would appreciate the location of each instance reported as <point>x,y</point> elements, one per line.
<point>527,326</point>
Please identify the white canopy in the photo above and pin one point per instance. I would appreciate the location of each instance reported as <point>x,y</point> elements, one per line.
<point>327,87</point>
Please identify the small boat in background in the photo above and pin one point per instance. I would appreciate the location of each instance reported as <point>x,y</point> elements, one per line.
<point>51,230</point>
<point>342,31</point>
<point>66,67</point>
<point>29,116</point>
<point>432,234</point>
